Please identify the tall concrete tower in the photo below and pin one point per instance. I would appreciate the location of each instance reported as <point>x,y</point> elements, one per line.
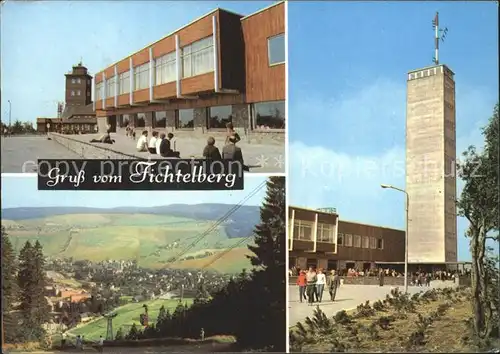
<point>430,165</point>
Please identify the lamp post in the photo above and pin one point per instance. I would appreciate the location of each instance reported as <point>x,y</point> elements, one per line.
<point>388,186</point>
<point>10,115</point>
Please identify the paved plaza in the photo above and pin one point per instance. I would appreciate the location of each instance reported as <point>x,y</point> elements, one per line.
<point>348,297</point>
<point>25,150</point>
<point>260,157</point>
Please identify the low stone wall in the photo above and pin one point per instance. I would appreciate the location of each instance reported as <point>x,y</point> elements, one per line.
<point>89,151</point>
<point>248,136</point>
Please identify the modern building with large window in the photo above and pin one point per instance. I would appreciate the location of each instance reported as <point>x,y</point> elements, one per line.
<point>318,238</point>
<point>220,68</point>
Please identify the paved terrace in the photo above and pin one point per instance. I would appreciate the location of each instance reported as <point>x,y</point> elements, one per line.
<point>25,150</point>
<point>260,157</point>
<point>348,298</point>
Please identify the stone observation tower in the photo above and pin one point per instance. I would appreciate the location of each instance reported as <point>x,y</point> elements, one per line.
<point>430,165</point>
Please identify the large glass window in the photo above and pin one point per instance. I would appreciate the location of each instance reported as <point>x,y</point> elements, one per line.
<point>160,120</point>
<point>99,91</point>
<point>124,120</point>
<point>366,242</point>
<point>141,77</point>
<point>340,239</point>
<point>276,49</point>
<point>269,115</point>
<point>348,240</point>
<point>140,120</point>
<point>326,233</point>
<point>124,83</point>
<point>110,87</point>
<point>302,230</point>
<point>373,243</point>
<point>357,241</point>
<point>198,57</point>
<point>165,69</point>
<point>219,116</point>
<point>185,119</point>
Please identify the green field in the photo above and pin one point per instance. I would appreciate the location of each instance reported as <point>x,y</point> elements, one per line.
<point>127,315</point>
<point>149,239</point>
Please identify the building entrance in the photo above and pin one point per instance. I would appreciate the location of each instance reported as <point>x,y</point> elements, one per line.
<point>112,123</point>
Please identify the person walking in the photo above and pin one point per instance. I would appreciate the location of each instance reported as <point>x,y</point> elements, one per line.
<point>302,283</point>
<point>100,345</point>
<point>333,283</point>
<point>381,275</point>
<point>320,284</point>
<point>311,278</point>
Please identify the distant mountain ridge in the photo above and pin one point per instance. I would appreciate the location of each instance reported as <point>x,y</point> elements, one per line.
<point>241,223</point>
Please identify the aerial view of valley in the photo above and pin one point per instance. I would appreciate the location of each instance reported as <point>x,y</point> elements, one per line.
<point>95,272</point>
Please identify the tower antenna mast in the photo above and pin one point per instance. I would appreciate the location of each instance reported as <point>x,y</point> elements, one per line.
<point>439,35</point>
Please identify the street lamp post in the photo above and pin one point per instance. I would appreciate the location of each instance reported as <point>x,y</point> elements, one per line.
<point>388,186</point>
<point>10,115</point>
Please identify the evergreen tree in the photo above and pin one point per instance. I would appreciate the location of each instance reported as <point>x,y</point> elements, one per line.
<point>9,287</point>
<point>270,234</point>
<point>31,281</point>
<point>263,296</point>
<point>202,295</point>
<point>119,334</point>
<point>161,314</point>
<point>134,333</point>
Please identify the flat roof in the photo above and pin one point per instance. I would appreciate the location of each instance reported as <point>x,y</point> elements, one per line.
<point>372,225</point>
<point>431,67</point>
<point>189,24</point>
<point>262,10</point>
<point>313,210</point>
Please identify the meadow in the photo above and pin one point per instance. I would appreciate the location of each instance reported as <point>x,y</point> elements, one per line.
<point>127,315</point>
<point>152,240</point>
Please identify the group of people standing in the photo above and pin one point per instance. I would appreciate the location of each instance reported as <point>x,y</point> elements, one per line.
<point>312,285</point>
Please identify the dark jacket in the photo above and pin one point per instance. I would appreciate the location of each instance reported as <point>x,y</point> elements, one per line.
<point>333,281</point>
<point>165,149</point>
<point>232,152</point>
<point>211,152</point>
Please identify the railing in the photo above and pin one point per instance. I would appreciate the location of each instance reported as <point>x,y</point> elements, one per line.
<point>328,210</point>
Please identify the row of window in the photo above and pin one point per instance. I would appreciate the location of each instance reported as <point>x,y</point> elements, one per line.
<point>78,81</point>
<point>78,93</point>
<point>270,115</point>
<point>196,58</point>
<point>303,231</point>
<point>349,240</point>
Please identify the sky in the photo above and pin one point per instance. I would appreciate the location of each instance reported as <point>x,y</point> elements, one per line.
<point>42,40</point>
<point>21,191</point>
<point>348,65</point>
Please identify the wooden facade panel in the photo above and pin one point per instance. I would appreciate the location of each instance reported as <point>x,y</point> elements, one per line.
<point>100,112</point>
<point>141,57</point>
<point>123,66</point>
<point>110,102</point>
<point>141,95</point>
<point>263,82</point>
<point>98,78</point>
<point>164,46</point>
<point>165,91</point>
<point>325,247</point>
<point>109,72</point>
<point>196,84</point>
<point>196,31</point>
<point>209,101</point>
<point>231,50</point>
<point>123,99</point>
